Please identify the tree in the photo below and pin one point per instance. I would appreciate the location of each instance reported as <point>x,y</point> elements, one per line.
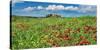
<point>53,15</point>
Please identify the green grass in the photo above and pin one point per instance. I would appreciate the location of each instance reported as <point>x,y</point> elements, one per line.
<point>52,32</point>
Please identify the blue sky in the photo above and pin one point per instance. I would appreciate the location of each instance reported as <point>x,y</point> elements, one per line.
<point>41,9</point>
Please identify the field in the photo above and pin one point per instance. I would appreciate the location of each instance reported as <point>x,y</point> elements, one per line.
<point>28,32</point>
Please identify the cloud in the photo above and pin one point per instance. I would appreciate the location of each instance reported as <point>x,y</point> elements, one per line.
<point>71,8</point>
<point>29,9</point>
<point>80,9</point>
<point>51,7</point>
<point>61,7</point>
<point>55,7</point>
<point>85,8</point>
<point>40,7</point>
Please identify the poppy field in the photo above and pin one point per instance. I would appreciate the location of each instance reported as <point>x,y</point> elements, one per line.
<point>28,32</point>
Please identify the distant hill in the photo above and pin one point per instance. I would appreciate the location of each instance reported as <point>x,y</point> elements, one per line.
<point>53,15</point>
<point>48,15</point>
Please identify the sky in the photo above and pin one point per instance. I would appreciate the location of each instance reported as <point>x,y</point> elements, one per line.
<point>41,9</point>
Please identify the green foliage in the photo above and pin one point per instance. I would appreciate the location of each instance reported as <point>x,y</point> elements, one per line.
<point>52,32</point>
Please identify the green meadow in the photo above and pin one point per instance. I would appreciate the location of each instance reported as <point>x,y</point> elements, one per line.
<point>28,32</point>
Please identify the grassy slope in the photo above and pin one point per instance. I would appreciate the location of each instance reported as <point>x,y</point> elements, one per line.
<point>45,32</point>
